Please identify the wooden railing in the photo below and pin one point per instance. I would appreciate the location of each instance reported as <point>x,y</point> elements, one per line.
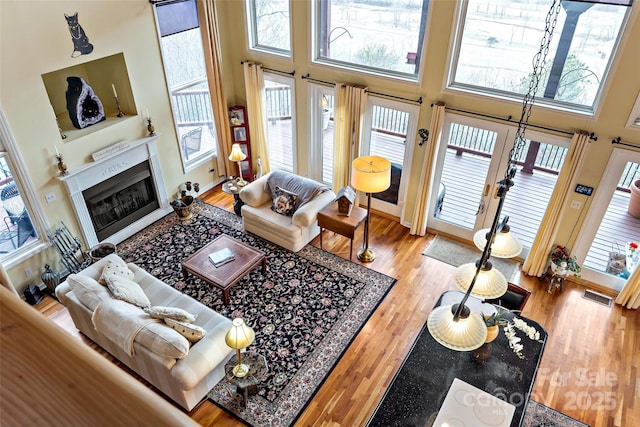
<point>192,107</point>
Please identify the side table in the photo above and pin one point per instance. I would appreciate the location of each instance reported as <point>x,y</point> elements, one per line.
<point>247,385</point>
<point>230,187</point>
<point>344,225</point>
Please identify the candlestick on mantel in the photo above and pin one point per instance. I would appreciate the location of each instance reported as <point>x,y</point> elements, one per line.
<point>113,87</point>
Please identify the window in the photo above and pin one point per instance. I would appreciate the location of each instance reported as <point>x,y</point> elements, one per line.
<point>269,26</point>
<point>497,41</point>
<point>186,75</point>
<point>383,37</point>
<point>20,228</point>
<point>280,122</point>
<point>321,154</point>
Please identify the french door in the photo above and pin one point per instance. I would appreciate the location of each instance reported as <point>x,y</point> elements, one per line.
<point>472,159</point>
<point>389,131</point>
<point>471,156</point>
<point>608,225</point>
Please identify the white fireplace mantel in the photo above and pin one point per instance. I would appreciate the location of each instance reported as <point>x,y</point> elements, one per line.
<point>86,176</point>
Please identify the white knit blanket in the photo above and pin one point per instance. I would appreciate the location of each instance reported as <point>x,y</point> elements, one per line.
<point>120,322</point>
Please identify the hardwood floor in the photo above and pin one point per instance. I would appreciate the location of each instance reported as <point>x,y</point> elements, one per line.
<point>589,369</point>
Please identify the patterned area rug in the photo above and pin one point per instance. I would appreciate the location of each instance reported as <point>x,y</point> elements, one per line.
<point>456,253</point>
<point>305,310</point>
<point>539,415</point>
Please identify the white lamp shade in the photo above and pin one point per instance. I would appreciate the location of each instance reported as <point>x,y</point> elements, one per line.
<point>371,174</point>
<point>236,153</point>
<point>490,284</point>
<point>240,335</point>
<point>505,244</point>
<point>462,335</point>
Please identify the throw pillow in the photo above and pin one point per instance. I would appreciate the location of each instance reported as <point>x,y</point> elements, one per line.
<point>193,333</point>
<point>163,341</point>
<point>88,291</point>
<point>115,267</point>
<point>127,290</point>
<point>158,312</point>
<point>284,202</point>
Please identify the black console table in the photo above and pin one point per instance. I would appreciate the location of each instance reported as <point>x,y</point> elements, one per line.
<point>421,384</point>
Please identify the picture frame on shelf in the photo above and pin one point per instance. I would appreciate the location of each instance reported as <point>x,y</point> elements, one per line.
<point>245,169</point>
<point>239,134</point>
<point>236,117</point>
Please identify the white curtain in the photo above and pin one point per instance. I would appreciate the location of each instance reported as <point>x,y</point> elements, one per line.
<point>420,216</point>
<point>536,262</point>
<point>348,115</point>
<point>254,87</point>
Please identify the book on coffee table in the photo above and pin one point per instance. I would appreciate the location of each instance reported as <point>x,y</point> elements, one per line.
<point>221,257</point>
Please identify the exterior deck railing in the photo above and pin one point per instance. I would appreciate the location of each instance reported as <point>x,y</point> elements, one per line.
<point>192,107</point>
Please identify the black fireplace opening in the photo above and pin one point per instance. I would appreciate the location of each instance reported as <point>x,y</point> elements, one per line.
<point>121,200</point>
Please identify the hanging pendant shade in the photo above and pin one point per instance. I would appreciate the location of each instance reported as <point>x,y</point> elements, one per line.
<point>465,334</point>
<point>505,244</point>
<point>489,284</point>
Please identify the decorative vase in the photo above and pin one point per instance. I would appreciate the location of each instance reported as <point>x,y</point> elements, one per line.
<point>50,278</point>
<point>492,333</point>
<point>182,207</point>
<point>634,199</point>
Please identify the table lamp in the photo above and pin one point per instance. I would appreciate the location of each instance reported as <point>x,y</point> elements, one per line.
<point>237,156</point>
<point>370,174</point>
<point>239,336</point>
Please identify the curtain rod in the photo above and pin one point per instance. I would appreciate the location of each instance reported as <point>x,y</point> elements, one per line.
<point>332,84</point>
<point>418,101</point>
<point>592,136</point>
<point>308,77</point>
<point>618,141</point>
<point>289,73</point>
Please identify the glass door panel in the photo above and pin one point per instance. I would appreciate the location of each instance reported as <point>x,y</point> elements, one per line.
<point>610,224</point>
<point>386,129</point>
<point>465,174</point>
<point>538,167</point>
<point>280,122</point>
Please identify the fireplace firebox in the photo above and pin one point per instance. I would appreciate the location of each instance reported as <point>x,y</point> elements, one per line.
<point>121,200</point>
<point>120,193</point>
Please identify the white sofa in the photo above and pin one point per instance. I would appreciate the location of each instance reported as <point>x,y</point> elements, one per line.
<point>185,380</point>
<point>290,232</point>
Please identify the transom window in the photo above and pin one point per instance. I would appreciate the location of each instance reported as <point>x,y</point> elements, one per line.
<point>269,26</point>
<point>383,37</point>
<point>496,42</point>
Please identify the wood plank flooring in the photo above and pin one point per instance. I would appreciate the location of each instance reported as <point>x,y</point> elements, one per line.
<point>589,369</point>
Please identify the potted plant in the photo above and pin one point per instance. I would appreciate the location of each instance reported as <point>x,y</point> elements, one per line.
<point>493,322</point>
<point>634,199</point>
<point>562,263</point>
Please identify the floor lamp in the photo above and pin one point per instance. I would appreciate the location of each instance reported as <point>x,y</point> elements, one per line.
<point>370,174</point>
<point>456,326</point>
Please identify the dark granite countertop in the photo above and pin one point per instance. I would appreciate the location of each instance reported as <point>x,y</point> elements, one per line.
<point>420,386</point>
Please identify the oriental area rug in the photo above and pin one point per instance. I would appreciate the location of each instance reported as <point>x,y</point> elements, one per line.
<point>305,310</point>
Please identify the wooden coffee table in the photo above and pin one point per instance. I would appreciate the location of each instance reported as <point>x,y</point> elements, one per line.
<point>227,275</point>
